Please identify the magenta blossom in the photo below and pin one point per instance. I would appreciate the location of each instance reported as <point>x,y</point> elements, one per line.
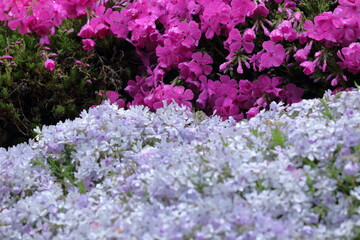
<point>88,44</point>
<point>87,31</point>
<point>293,94</point>
<point>50,64</point>
<point>198,66</point>
<point>242,9</point>
<point>114,98</point>
<point>350,57</point>
<point>309,67</point>
<point>216,14</point>
<point>169,93</point>
<point>274,56</point>
<point>252,112</point>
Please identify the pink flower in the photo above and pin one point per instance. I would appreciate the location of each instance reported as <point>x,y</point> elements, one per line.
<point>169,93</point>
<point>261,10</point>
<point>114,98</point>
<point>309,67</point>
<point>245,86</point>
<point>301,55</point>
<point>50,64</point>
<point>249,34</point>
<point>118,24</point>
<point>19,20</point>
<point>236,43</point>
<point>293,94</point>
<point>274,56</point>
<point>252,112</point>
<point>215,13</point>
<point>241,9</point>
<point>192,33</point>
<point>287,31</point>
<point>76,8</point>
<point>100,29</point>
<point>88,44</point>
<point>350,57</point>
<point>276,35</point>
<point>349,8</point>
<point>200,65</point>
<point>169,54</point>
<point>6,57</point>
<point>87,31</point>
<point>269,85</point>
<point>323,27</point>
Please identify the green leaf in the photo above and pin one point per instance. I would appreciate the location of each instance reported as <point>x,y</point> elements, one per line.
<point>326,112</point>
<point>278,138</point>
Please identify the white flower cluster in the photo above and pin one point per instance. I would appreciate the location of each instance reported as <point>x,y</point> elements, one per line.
<point>288,173</point>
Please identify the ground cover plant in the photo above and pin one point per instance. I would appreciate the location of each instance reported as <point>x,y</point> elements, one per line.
<point>221,130</point>
<point>288,173</point>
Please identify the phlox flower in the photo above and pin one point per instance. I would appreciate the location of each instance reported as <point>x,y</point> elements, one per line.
<point>114,97</point>
<point>222,97</point>
<point>192,33</point>
<point>42,27</point>
<point>118,24</point>
<point>276,35</point>
<point>216,13</point>
<point>274,56</point>
<point>76,8</point>
<point>103,14</point>
<point>301,55</point>
<point>348,32</point>
<point>323,27</point>
<point>19,20</point>
<point>245,86</point>
<point>349,8</point>
<point>169,54</point>
<point>87,31</point>
<point>252,112</point>
<point>236,43</point>
<point>269,85</point>
<point>292,94</point>
<point>4,7</point>
<point>100,29</point>
<point>260,10</point>
<point>50,64</point>
<point>198,66</point>
<point>240,9</point>
<point>283,31</point>
<point>309,67</point>
<point>88,44</point>
<point>100,24</point>
<point>169,93</point>
<point>350,57</point>
<point>137,87</point>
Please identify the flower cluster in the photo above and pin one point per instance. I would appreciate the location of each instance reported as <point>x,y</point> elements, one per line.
<point>288,173</point>
<point>203,41</point>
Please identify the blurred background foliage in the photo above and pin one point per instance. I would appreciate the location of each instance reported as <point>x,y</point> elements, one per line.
<point>31,95</point>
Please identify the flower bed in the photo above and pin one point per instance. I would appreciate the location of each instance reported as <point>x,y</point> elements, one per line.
<point>288,173</point>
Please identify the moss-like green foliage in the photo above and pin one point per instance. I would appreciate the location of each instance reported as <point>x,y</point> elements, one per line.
<point>31,95</point>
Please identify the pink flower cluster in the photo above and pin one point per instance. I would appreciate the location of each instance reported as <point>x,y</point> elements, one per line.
<point>41,16</point>
<point>339,28</point>
<point>184,36</point>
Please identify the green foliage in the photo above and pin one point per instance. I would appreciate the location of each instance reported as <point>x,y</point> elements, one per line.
<point>63,169</point>
<point>278,138</point>
<point>314,8</point>
<point>326,112</point>
<point>31,95</point>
